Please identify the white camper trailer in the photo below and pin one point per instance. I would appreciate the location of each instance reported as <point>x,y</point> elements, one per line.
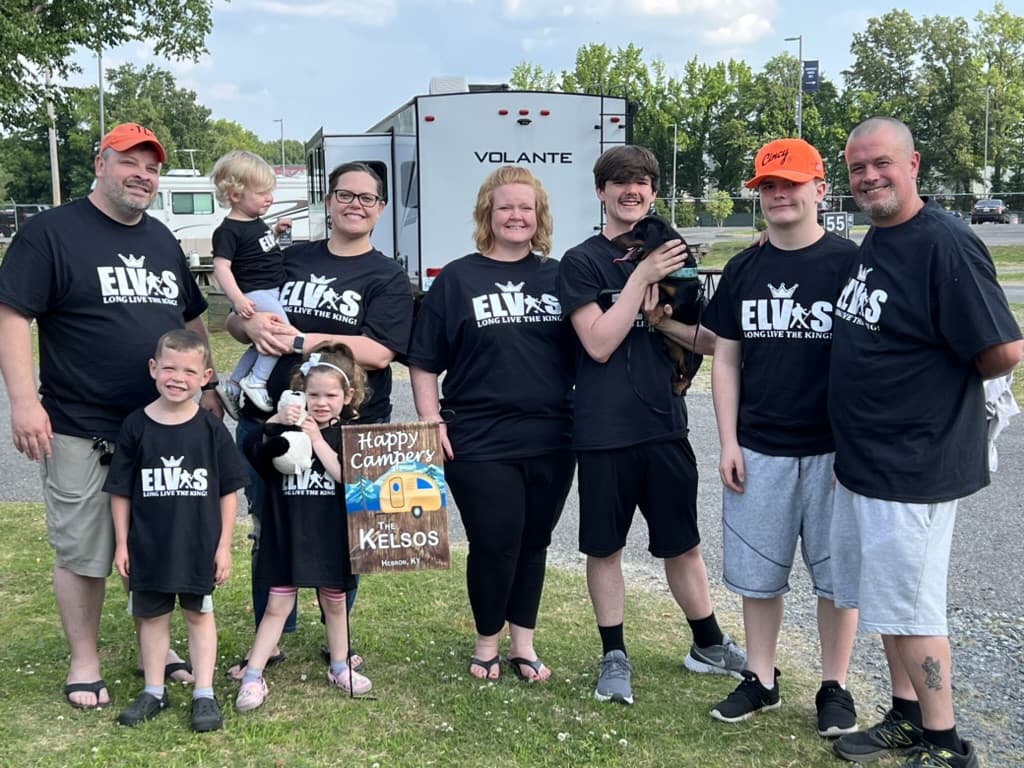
<point>187,203</point>
<point>434,151</point>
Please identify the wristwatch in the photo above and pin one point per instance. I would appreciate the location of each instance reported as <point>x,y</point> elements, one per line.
<point>298,342</point>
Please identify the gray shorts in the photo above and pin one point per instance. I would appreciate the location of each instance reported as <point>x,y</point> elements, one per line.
<point>891,561</point>
<point>78,521</point>
<point>785,498</point>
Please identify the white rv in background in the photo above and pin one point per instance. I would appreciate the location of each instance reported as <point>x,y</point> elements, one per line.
<point>434,151</point>
<point>187,203</point>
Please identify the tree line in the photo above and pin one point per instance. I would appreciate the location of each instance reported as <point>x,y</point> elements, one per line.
<point>148,96</point>
<point>960,88</point>
<point>945,79</point>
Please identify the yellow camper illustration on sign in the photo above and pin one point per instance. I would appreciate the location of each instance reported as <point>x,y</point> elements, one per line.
<point>409,492</point>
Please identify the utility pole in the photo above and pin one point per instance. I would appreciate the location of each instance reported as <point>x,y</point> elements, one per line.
<point>984,167</point>
<point>281,121</point>
<point>675,144</point>
<point>799,83</point>
<point>52,134</point>
<point>99,63</point>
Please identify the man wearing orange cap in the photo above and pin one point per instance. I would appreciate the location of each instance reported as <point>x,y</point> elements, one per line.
<point>103,281</point>
<point>773,314</point>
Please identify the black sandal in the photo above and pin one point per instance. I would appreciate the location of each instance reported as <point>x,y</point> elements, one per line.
<point>169,670</point>
<point>242,663</point>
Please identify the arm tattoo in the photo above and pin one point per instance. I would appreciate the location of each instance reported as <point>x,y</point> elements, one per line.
<point>932,673</point>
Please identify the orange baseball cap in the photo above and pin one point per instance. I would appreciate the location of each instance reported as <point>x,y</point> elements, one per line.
<point>128,135</point>
<point>790,159</point>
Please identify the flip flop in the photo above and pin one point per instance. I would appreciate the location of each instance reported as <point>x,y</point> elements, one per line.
<point>242,663</point>
<point>516,662</point>
<point>487,666</point>
<point>169,670</point>
<point>93,687</point>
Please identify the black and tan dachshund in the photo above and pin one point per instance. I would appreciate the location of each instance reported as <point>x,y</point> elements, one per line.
<point>682,290</point>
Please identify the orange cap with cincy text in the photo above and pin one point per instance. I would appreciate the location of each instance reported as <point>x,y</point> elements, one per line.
<point>128,135</point>
<point>790,159</point>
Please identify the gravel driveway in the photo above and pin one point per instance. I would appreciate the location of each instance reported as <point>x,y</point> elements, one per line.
<point>986,583</point>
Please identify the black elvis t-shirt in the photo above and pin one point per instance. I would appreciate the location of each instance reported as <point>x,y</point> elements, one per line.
<point>778,304</point>
<point>905,398</point>
<point>250,246</point>
<point>102,294</point>
<point>175,476</point>
<point>368,294</point>
<point>627,400</point>
<point>495,330</point>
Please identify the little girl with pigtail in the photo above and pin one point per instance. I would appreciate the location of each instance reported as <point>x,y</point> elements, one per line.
<point>304,539</point>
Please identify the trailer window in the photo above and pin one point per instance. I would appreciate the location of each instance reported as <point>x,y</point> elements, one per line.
<point>316,178</point>
<point>410,189</point>
<point>198,203</point>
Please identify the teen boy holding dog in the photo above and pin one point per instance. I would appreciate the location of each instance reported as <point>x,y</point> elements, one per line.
<point>630,430</point>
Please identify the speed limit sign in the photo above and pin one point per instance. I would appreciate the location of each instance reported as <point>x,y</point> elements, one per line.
<point>836,222</point>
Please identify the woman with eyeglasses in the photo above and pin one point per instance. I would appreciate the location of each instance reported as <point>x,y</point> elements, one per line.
<point>338,290</point>
<point>492,324</point>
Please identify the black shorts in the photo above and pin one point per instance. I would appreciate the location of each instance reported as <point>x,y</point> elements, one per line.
<point>659,478</point>
<point>149,605</point>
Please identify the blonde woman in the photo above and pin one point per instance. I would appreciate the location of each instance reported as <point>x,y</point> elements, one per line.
<point>492,323</point>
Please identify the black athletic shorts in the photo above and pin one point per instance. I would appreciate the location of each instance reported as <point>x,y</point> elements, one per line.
<point>149,605</point>
<point>659,478</point>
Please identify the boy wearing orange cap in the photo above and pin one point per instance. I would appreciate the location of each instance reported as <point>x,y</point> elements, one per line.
<point>772,312</point>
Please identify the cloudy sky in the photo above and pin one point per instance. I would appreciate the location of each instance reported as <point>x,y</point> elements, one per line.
<point>344,64</point>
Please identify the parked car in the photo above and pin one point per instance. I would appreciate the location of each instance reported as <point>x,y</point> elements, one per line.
<point>989,210</point>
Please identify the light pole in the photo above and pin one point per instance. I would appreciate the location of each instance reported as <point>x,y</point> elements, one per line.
<point>984,166</point>
<point>99,64</point>
<point>675,144</point>
<point>799,82</point>
<point>281,121</point>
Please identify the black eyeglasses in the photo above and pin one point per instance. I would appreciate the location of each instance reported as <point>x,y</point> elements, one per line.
<point>365,199</point>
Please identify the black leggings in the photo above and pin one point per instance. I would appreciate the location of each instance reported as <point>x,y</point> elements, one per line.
<point>509,509</point>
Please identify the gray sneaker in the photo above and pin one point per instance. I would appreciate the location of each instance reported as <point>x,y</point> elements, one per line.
<point>228,399</point>
<point>725,659</point>
<point>614,681</point>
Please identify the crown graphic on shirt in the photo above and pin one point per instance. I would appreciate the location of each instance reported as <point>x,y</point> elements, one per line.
<point>509,287</point>
<point>862,272</point>
<point>132,261</point>
<point>325,280</point>
<point>782,292</point>
<point>171,461</point>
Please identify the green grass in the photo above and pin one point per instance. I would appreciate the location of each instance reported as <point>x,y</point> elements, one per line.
<point>415,631</point>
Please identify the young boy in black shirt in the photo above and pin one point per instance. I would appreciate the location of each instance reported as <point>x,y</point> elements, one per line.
<point>172,480</point>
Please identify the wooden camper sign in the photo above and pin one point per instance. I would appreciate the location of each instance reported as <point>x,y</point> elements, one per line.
<point>395,497</point>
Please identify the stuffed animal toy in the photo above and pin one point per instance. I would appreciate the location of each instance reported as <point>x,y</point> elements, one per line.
<point>290,451</point>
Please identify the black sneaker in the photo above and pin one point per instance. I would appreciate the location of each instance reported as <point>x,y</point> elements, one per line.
<point>836,712</point>
<point>145,707</point>
<point>892,736</point>
<point>206,715</point>
<point>936,757</point>
<point>749,697</point>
